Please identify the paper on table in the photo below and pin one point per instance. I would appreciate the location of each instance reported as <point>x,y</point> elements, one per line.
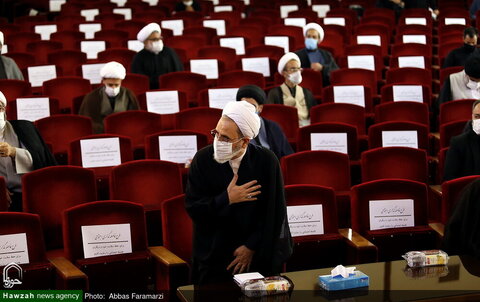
<point>321,9</point>
<point>242,278</point>
<point>45,30</point>
<point>89,14</point>
<point>219,25</point>
<point>125,11</point>
<point>349,94</point>
<point>90,29</point>
<point>420,21</point>
<point>163,102</point>
<point>207,67</point>
<point>92,48</point>
<point>460,21</point>
<point>411,61</point>
<point>32,109</point>
<point>336,142</point>
<point>13,248</point>
<point>334,20</point>
<point>305,220</point>
<point>300,22</point>
<point>285,9</point>
<point>369,39</point>
<point>135,45</point>
<point>280,41</point>
<point>219,97</point>
<point>237,43</point>
<point>91,72</point>
<point>260,65</point>
<point>177,148</point>
<point>222,8</point>
<point>395,213</point>
<point>56,5</point>
<point>38,74</point>
<point>100,152</point>
<point>412,93</point>
<point>407,138</point>
<point>363,61</point>
<point>106,239</point>
<point>175,25</point>
<point>421,39</point>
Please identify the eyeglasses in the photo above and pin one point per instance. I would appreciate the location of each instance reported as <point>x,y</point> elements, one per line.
<point>294,69</point>
<point>223,138</point>
<point>155,39</point>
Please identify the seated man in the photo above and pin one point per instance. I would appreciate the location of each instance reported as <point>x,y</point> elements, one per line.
<point>22,150</point>
<point>463,156</point>
<point>290,93</point>
<point>458,56</point>
<point>108,98</point>
<point>313,57</point>
<point>8,68</point>
<point>156,58</point>
<point>270,135</point>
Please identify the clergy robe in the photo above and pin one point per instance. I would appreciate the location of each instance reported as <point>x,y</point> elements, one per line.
<point>220,228</point>
<point>152,65</point>
<point>10,69</point>
<point>96,105</point>
<point>328,63</point>
<point>276,139</point>
<point>463,156</point>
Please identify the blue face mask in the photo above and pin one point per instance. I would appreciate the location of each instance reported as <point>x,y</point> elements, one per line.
<point>310,43</point>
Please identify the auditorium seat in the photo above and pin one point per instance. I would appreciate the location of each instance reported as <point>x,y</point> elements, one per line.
<point>65,89</point>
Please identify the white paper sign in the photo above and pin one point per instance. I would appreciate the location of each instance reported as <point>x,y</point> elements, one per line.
<point>300,22</point>
<point>175,25</point>
<point>364,62</point>
<point>369,39</point>
<point>4,49</point>
<point>236,43</point>
<point>56,5</point>
<point>135,45</point>
<point>126,12</point>
<point>162,102</point>
<point>100,152</point>
<point>89,14</point>
<point>285,9</point>
<point>260,65</point>
<point>90,29</point>
<point>412,61</point>
<point>334,20</point>
<point>354,94</point>
<point>420,21</point>
<point>106,239</point>
<point>305,220</point>
<point>321,9</point>
<point>32,109</point>
<point>151,2</point>
<point>177,148</point>
<point>222,8</point>
<point>406,138</point>
<point>411,93</point>
<point>13,248</point>
<point>39,74</point>
<point>45,30</point>
<point>207,67</point>
<point>388,214</point>
<point>280,41</point>
<point>219,25</point>
<point>219,97</point>
<point>460,21</point>
<point>92,48</point>
<point>91,72</point>
<point>421,39</point>
<point>329,141</point>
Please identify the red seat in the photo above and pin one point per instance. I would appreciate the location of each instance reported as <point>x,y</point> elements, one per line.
<point>380,30</point>
<point>457,110</point>
<point>22,59</point>
<point>190,45</point>
<point>41,49</point>
<point>13,89</point>
<point>132,27</point>
<point>188,82</point>
<point>409,75</point>
<point>238,78</point>
<point>445,72</point>
<point>355,76</point>
<point>115,38</point>
<point>4,202</point>
<point>364,50</point>
<point>65,89</point>
<point>121,55</point>
<point>340,112</point>
<point>387,93</point>
<point>269,51</point>
<point>285,116</point>
<point>449,130</point>
<point>411,49</point>
<point>328,96</point>
<point>70,39</point>
<point>395,61</point>
<point>254,35</point>
<point>12,107</point>
<point>207,34</point>
<point>137,83</point>
<point>402,111</point>
<point>201,119</point>
<point>375,133</point>
<point>451,191</point>
<point>68,60</point>
<point>152,144</point>
<point>18,41</point>
<point>226,54</point>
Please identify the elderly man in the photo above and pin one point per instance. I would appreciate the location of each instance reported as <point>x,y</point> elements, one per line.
<point>22,150</point>
<point>458,56</point>
<point>463,156</point>
<point>290,93</point>
<point>236,200</point>
<point>8,68</point>
<point>313,57</point>
<point>108,98</point>
<point>156,58</point>
<point>270,135</point>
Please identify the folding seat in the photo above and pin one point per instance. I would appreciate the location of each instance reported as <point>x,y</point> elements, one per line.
<point>189,82</point>
<point>365,50</point>
<point>135,268</point>
<point>135,124</point>
<point>65,89</point>
<point>355,76</point>
<point>108,20</point>
<point>38,272</point>
<point>148,182</point>
<point>411,49</point>
<point>427,62</point>
<point>324,168</point>
<point>285,116</point>
<point>270,51</point>
<point>424,33</point>
<point>413,29</point>
<point>189,18</point>
<point>382,20</point>
<point>307,13</point>
<point>115,38</point>
<point>451,192</point>
<point>410,75</point>
<point>412,234</point>
<point>340,112</point>
<point>205,33</point>
<point>12,112</point>
<point>383,31</point>
<point>67,60</point>
<point>328,96</point>
<point>380,12</point>
<point>9,29</point>
<point>238,78</point>
<point>254,35</point>
<point>295,32</point>
<point>457,110</point>
<point>201,119</point>
<point>351,17</point>
<point>376,133</point>
<point>132,27</point>
<point>150,16</point>
<point>453,36</point>
<point>23,59</point>
<point>40,49</point>
<point>387,93</point>
<point>449,130</point>
<point>311,80</point>
<point>70,39</point>
<point>13,89</point>
<point>121,55</point>
<point>167,119</point>
<point>402,111</point>
<point>232,18</point>
<point>152,143</point>
<point>443,51</point>
<point>137,83</point>
<point>335,30</point>
<point>18,41</point>
<point>226,54</point>
<point>68,22</point>
<point>49,191</point>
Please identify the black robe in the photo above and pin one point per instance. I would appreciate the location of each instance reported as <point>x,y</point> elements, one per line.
<point>329,65</point>
<point>180,7</point>
<point>276,139</point>
<point>462,232</point>
<point>459,56</point>
<point>463,156</point>
<point>220,228</point>
<point>152,65</point>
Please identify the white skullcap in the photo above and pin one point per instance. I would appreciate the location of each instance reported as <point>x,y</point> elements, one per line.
<point>287,58</point>
<point>243,114</point>
<point>145,32</point>
<point>315,26</point>
<point>3,99</point>
<point>1,38</point>
<point>113,70</point>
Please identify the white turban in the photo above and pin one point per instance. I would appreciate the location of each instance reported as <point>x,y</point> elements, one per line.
<point>287,58</point>
<point>145,32</point>
<point>3,99</point>
<point>243,114</point>
<point>1,38</point>
<point>315,26</point>
<point>113,70</point>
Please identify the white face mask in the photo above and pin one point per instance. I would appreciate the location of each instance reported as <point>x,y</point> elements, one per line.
<point>295,78</point>
<point>3,121</point>
<point>472,84</point>
<point>476,126</point>
<point>112,92</point>
<point>156,47</point>
<point>223,151</point>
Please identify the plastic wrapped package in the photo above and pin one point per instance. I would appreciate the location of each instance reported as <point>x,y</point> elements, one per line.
<point>266,286</point>
<point>426,258</point>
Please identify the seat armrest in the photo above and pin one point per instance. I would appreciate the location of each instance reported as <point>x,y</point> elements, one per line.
<point>68,276</point>
<point>359,249</point>
<point>162,254</point>
<point>438,227</point>
<point>170,270</point>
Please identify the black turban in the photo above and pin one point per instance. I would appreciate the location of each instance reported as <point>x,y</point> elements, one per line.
<point>252,91</point>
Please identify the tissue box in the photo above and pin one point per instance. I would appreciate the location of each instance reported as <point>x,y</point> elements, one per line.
<point>355,280</point>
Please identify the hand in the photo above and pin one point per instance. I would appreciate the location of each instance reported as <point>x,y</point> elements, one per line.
<point>436,12</point>
<point>245,192</point>
<point>9,198</point>
<point>7,150</point>
<point>243,258</point>
<point>316,66</point>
